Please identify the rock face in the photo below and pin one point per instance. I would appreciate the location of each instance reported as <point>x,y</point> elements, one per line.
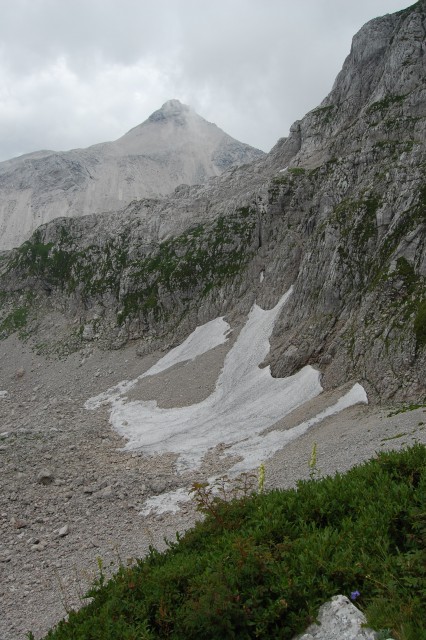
<point>174,146</point>
<point>338,209</point>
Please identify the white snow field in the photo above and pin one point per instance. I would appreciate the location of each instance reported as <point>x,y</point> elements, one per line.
<point>246,401</point>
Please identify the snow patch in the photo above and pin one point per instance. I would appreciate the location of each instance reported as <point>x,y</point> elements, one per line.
<point>263,447</point>
<point>201,340</point>
<point>257,449</point>
<point>165,502</point>
<point>247,401</point>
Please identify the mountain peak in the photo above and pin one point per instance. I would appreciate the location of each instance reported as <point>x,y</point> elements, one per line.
<point>174,105</point>
<point>171,110</point>
<point>174,146</point>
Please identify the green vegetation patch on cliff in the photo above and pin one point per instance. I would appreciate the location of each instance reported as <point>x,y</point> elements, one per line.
<point>261,567</point>
<point>184,267</point>
<point>15,312</point>
<point>406,222</point>
<point>61,265</point>
<point>285,183</point>
<point>50,263</point>
<point>401,289</point>
<point>277,186</point>
<point>420,324</point>
<point>100,268</point>
<point>357,218</point>
<point>325,115</point>
<point>409,289</point>
<point>190,265</point>
<point>356,222</point>
<point>385,103</point>
<point>14,321</point>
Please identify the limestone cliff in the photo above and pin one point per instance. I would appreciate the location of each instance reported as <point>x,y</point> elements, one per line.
<point>338,208</point>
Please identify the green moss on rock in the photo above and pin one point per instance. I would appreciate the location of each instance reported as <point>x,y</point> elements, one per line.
<point>174,273</point>
<point>190,265</point>
<point>385,103</point>
<point>14,321</point>
<point>420,324</point>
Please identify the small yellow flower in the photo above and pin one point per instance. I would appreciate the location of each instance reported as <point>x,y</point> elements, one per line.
<point>313,461</point>
<point>261,478</point>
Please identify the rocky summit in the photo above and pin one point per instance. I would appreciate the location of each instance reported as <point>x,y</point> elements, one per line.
<point>173,314</point>
<point>174,146</point>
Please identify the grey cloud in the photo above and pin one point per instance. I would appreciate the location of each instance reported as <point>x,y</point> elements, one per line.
<point>77,73</point>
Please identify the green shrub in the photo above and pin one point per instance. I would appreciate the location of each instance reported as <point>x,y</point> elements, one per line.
<point>262,566</point>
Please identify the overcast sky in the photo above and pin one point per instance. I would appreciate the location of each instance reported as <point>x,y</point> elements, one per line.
<point>74,73</point>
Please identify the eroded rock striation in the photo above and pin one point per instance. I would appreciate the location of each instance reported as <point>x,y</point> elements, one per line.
<point>338,208</point>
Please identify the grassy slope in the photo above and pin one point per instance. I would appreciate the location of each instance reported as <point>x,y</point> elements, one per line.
<point>261,566</point>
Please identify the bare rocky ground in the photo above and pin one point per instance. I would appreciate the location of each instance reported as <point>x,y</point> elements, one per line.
<point>69,495</point>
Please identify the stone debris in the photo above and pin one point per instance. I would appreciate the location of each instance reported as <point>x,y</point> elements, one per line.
<point>97,491</point>
<point>5,555</point>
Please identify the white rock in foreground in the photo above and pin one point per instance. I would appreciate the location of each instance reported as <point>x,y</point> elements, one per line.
<point>339,619</point>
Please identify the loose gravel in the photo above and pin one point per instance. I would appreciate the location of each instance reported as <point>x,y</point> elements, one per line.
<point>70,495</point>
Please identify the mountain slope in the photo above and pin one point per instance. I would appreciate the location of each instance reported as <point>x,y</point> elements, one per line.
<point>174,146</point>
<point>337,208</point>
<point>359,190</point>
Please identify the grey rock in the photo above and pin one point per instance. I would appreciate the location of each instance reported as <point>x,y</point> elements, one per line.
<point>88,332</point>
<point>158,485</point>
<point>45,476</point>
<point>89,489</point>
<point>339,619</point>
<point>33,541</point>
<point>107,493</point>
<point>6,555</point>
<point>18,523</point>
<point>63,531</point>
